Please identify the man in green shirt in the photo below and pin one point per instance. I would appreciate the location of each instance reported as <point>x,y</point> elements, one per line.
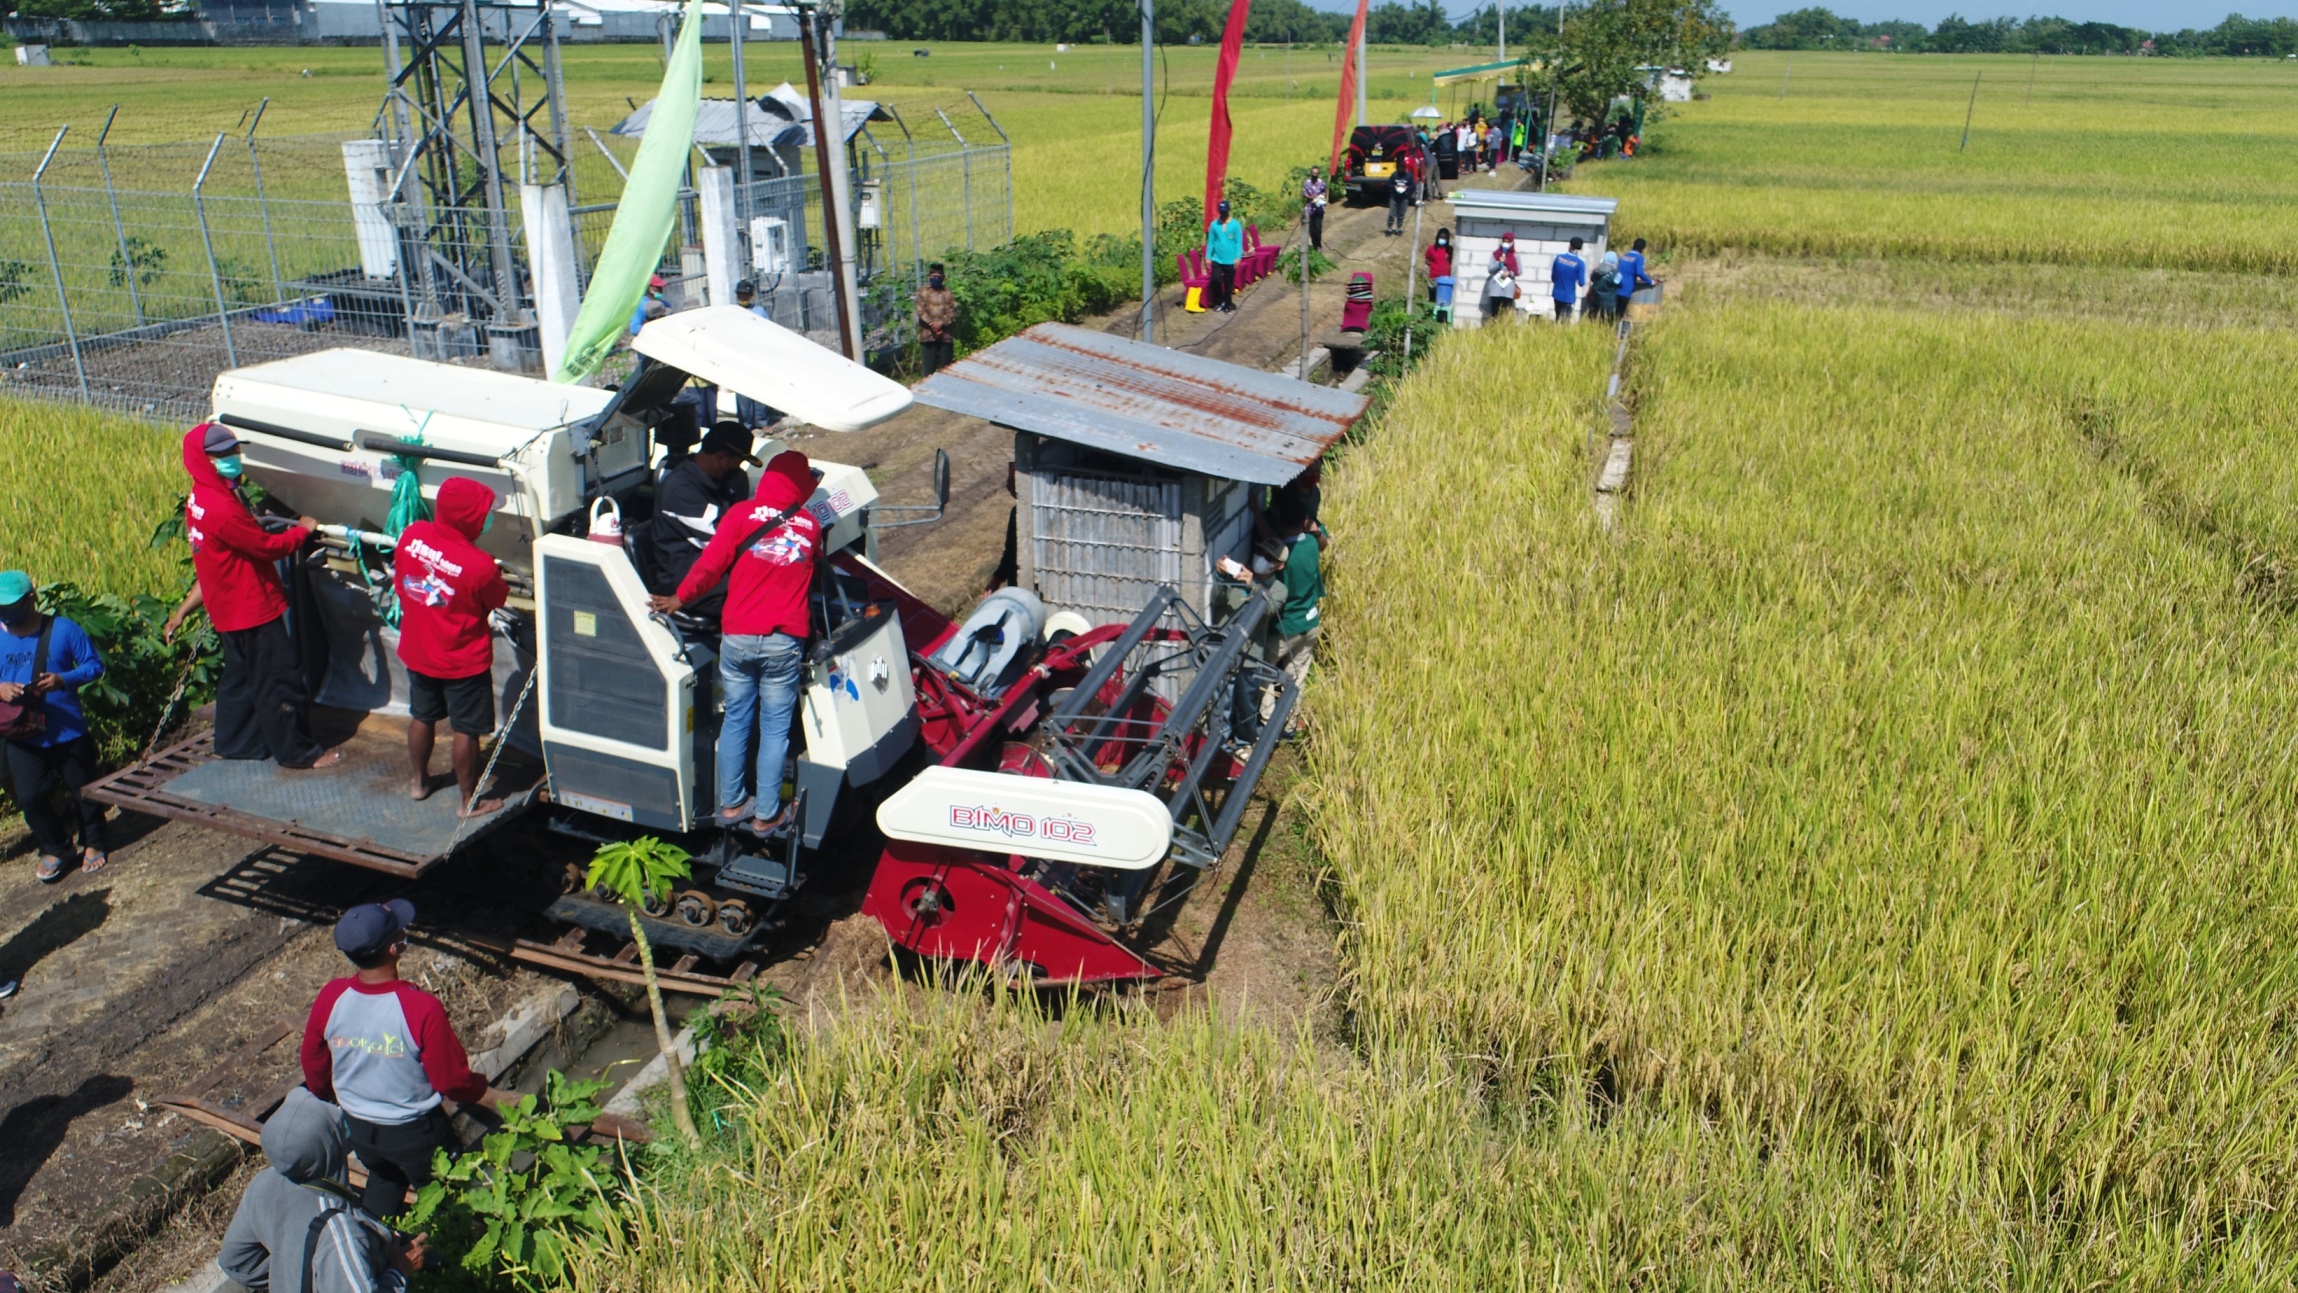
<point>1297,587</point>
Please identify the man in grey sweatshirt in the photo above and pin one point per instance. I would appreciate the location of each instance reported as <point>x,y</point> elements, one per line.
<point>299,1228</point>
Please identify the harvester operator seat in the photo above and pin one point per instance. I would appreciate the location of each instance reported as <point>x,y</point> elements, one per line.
<point>994,643</point>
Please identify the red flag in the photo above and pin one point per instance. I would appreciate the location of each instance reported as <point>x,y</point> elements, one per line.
<point>1225,71</point>
<point>1349,73</point>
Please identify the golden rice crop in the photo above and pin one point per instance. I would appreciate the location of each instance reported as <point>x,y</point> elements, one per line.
<point>88,488</point>
<point>1902,790</point>
<point>2134,162</point>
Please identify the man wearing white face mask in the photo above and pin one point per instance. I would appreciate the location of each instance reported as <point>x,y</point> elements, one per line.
<point>262,709</point>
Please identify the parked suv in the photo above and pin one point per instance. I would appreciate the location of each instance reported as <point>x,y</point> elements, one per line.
<point>1374,153</point>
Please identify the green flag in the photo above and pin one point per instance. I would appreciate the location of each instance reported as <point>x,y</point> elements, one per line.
<point>649,206</point>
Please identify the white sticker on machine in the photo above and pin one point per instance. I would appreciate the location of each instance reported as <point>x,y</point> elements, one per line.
<point>999,812</point>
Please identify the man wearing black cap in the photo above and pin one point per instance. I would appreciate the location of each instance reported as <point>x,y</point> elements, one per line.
<point>693,498</point>
<point>382,1049</point>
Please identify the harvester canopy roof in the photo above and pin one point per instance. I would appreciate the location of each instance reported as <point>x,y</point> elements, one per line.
<point>1141,401</point>
<point>729,346</point>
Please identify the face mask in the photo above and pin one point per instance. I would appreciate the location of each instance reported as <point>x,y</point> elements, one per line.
<point>487,524</point>
<point>934,282</point>
<point>229,467</point>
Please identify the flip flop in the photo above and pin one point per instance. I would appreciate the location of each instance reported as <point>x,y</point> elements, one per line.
<point>730,816</point>
<point>51,870</point>
<point>91,865</point>
<point>763,826</point>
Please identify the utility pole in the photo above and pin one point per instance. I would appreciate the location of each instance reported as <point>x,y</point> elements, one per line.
<point>1555,78</point>
<point>829,162</point>
<point>1502,10</point>
<point>738,16</point>
<point>1974,107</point>
<point>1148,171</point>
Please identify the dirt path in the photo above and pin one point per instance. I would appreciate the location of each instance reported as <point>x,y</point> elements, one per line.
<point>137,979</point>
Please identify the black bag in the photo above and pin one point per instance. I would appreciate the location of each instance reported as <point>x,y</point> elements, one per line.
<point>25,719</point>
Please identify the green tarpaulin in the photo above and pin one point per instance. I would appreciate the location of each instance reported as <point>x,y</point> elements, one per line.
<point>649,207</point>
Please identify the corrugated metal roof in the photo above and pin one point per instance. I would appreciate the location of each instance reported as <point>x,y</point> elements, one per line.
<point>1525,202</point>
<point>1142,401</point>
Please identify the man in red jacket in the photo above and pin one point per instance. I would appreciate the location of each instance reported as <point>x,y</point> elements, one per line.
<point>446,587</point>
<point>262,708</point>
<point>769,545</point>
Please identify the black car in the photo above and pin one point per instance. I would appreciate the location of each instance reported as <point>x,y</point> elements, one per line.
<point>1374,154</point>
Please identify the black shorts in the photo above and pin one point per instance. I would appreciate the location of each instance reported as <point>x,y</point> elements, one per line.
<point>469,702</point>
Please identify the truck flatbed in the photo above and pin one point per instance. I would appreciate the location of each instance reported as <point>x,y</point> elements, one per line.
<point>357,811</point>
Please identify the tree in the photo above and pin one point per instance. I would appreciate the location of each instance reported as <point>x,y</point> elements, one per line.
<point>632,871</point>
<point>1806,29</point>
<point>1606,41</point>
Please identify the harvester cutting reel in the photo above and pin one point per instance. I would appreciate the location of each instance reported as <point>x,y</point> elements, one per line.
<point>1030,846</point>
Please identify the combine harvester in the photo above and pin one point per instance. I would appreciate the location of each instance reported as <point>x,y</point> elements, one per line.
<point>1028,769</point>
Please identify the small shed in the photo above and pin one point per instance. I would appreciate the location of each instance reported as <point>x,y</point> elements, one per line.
<point>1544,224</point>
<point>1134,464</point>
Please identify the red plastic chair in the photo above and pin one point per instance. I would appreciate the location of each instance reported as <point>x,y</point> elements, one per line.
<point>1262,254</point>
<point>1356,312</point>
<point>1194,277</point>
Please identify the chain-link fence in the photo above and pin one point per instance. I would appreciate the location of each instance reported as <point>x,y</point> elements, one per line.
<point>131,275</point>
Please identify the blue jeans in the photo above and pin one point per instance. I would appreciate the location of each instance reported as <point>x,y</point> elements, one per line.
<point>759,674</point>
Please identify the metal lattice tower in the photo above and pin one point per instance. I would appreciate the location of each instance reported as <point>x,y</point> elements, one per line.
<point>468,81</point>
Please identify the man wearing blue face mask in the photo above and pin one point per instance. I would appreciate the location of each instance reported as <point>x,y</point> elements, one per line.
<point>262,709</point>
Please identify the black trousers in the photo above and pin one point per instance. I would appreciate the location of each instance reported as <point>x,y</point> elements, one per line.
<point>262,710</point>
<point>1224,289</point>
<point>934,356</point>
<point>397,1157</point>
<point>33,774</point>
<point>1317,227</point>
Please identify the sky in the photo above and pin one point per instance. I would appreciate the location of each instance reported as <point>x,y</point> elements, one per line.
<point>2152,15</point>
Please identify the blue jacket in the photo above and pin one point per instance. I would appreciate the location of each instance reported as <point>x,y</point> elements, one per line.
<point>1225,241</point>
<point>1567,276</point>
<point>71,657</point>
<point>1632,272</point>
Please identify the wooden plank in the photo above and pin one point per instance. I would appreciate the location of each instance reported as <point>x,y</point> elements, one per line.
<point>744,972</point>
<point>627,955</point>
<point>685,963</point>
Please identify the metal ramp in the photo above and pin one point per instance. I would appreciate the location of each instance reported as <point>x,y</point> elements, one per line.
<point>356,812</point>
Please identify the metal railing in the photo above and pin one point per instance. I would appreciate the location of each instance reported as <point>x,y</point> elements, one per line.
<point>131,275</point>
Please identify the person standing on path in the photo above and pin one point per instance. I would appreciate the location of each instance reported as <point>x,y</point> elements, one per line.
<point>44,742</point>
<point>262,708</point>
<point>753,413</point>
<point>1314,193</point>
<point>1632,276</point>
<point>1224,247</point>
<point>1567,274</point>
<point>1604,287</point>
<point>447,587</point>
<point>299,1227</point>
<point>382,1049</point>
<point>650,306</point>
<point>1399,197</point>
<point>765,551</point>
<point>1439,257</point>
<point>937,309</point>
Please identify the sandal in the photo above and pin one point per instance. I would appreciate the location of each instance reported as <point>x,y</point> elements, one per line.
<point>765,826</point>
<point>730,816</point>
<point>51,870</point>
<point>93,860</point>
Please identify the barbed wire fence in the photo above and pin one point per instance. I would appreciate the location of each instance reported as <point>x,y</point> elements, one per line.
<point>131,275</point>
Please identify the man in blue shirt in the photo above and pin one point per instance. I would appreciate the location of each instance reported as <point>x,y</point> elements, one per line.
<point>650,306</point>
<point>1632,276</point>
<point>44,661</point>
<point>1567,274</point>
<point>1224,247</point>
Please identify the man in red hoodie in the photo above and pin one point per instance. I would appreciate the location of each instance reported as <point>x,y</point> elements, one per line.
<point>262,708</point>
<point>768,547</point>
<point>446,587</point>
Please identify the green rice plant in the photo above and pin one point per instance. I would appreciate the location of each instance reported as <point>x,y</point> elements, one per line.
<point>1898,791</point>
<point>89,487</point>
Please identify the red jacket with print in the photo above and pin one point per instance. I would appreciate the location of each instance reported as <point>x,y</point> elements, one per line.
<point>447,585</point>
<point>231,554</point>
<point>772,569</point>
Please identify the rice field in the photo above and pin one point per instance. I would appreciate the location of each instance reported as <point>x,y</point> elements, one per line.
<point>88,489</point>
<point>2172,163</point>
